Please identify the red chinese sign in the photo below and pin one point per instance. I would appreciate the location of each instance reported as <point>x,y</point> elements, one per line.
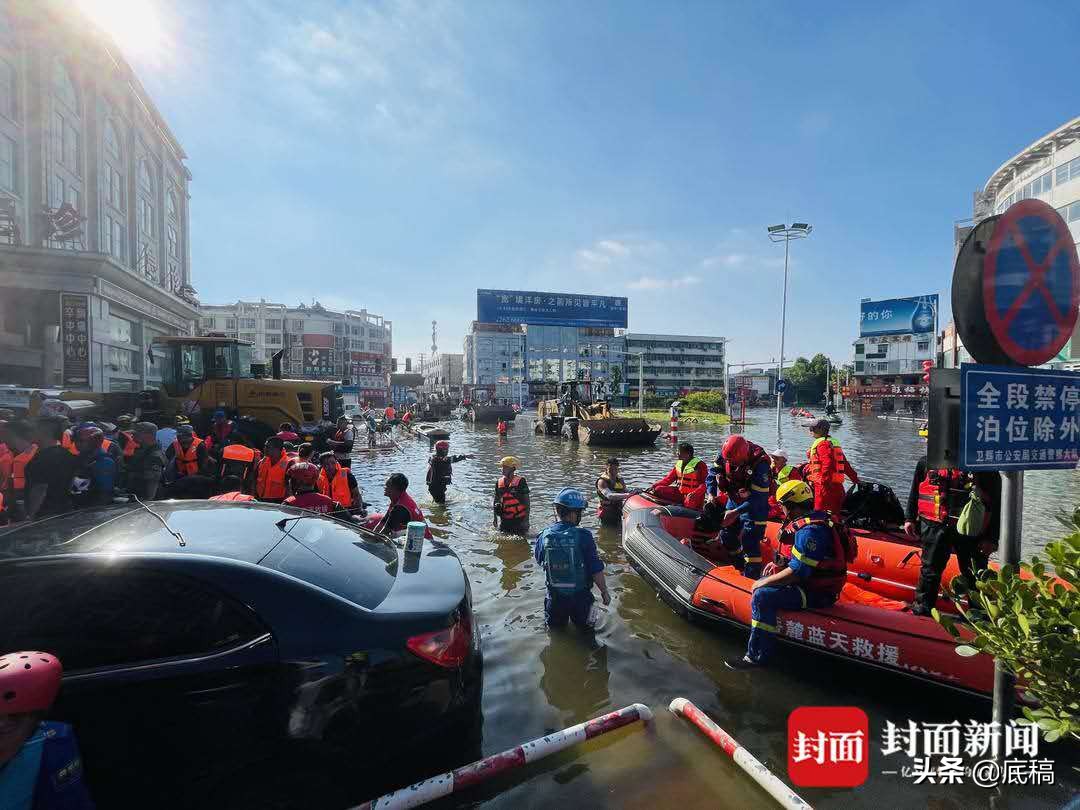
<point>896,391</point>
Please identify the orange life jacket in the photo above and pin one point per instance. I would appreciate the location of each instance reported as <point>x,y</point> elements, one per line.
<point>338,489</point>
<point>18,468</point>
<point>187,461</point>
<point>7,459</point>
<point>827,575</point>
<point>942,495</point>
<point>233,496</point>
<point>511,507</point>
<point>106,444</point>
<point>270,483</point>
<point>840,463</point>
<point>689,478</point>
<point>129,443</point>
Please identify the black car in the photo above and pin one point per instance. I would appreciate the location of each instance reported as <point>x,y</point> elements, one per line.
<point>221,650</point>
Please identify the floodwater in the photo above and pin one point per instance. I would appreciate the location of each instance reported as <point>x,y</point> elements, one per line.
<point>537,681</point>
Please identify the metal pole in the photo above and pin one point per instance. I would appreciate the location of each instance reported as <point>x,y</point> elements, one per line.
<point>1012,518</point>
<point>783,324</point>
<point>641,384</point>
<point>727,400</point>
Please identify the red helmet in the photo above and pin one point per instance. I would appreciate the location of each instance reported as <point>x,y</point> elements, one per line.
<point>735,449</point>
<point>29,681</point>
<point>304,473</point>
<point>442,444</point>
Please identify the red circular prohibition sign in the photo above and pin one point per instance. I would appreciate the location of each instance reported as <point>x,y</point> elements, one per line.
<point>1009,229</point>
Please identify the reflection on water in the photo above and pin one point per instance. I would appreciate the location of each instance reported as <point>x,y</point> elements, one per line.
<point>536,681</point>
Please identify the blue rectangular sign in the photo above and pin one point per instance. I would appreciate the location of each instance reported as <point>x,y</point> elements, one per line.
<point>1018,418</point>
<point>898,316</point>
<point>550,309</point>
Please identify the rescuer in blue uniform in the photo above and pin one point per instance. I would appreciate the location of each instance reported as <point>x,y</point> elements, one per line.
<point>809,572</point>
<point>742,474</point>
<point>40,766</point>
<point>571,564</point>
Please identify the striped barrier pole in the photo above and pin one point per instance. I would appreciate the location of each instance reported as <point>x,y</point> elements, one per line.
<point>775,787</point>
<point>473,774</point>
<point>673,432</point>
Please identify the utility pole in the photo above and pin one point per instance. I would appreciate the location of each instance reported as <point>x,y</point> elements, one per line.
<point>784,233</point>
<point>641,384</point>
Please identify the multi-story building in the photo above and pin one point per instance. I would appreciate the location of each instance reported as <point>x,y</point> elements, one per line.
<point>320,344</point>
<point>896,337</point>
<point>674,365</point>
<point>1048,170</point>
<point>494,358</point>
<point>94,259</point>
<point>443,372</point>
<point>564,353</point>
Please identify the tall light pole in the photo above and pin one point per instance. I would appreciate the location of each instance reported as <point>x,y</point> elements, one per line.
<point>784,233</point>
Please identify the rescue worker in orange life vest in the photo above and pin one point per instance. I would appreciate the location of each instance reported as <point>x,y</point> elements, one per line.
<point>934,504</point>
<point>239,460</point>
<point>571,564</point>
<point>187,454</point>
<point>809,572</point>
<point>511,504</point>
<point>827,469</point>
<point>685,483</point>
<point>612,492</point>
<point>440,470</point>
<point>271,474</point>
<point>741,480</point>
<point>232,490</point>
<point>303,480</point>
<point>337,482</point>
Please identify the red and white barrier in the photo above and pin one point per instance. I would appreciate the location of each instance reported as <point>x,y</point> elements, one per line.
<point>786,797</point>
<point>468,775</point>
<point>673,430</point>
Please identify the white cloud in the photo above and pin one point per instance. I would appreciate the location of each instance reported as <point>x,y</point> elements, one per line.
<point>631,252</point>
<point>725,260</point>
<point>614,247</point>
<point>655,283</point>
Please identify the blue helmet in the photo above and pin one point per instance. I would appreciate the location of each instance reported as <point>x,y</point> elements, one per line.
<point>571,499</point>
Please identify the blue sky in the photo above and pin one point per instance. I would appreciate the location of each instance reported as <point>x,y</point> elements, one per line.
<point>398,155</point>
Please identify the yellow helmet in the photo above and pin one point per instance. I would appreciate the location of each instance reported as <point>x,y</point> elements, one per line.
<point>794,492</point>
<point>509,461</point>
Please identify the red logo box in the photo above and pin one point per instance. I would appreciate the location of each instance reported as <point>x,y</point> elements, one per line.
<point>828,746</point>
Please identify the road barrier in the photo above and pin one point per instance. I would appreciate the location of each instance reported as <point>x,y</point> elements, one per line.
<point>775,787</point>
<point>473,774</point>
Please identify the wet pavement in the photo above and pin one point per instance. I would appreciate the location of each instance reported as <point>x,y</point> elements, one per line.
<point>536,681</point>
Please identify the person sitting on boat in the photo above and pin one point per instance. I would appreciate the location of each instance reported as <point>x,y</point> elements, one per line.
<point>782,472</point>
<point>406,418</point>
<point>571,564</point>
<point>612,493</point>
<point>511,504</point>
<point>337,482</point>
<point>828,468</point>
<point>809,572</point>
<point>303,481</point>
<point>40,765</point>
<point>401,510</point>
<point>934,505</point>
<point>685,483</point>
<point>738,487</point>
<point>440,470</point>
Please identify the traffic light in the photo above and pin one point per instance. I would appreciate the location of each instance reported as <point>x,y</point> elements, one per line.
<point>926,366</point>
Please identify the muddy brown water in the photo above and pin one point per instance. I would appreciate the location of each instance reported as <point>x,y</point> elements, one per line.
<point>536,681</point>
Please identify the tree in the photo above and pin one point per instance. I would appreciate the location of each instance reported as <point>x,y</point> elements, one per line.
<point>1032,625</point>
<point>616,379</point>
<point>807,377</point>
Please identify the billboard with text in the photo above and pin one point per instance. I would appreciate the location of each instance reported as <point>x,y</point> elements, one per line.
<point>550,309</point>
<point>898,316</point>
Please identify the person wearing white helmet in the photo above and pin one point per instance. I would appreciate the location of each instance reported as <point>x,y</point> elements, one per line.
<point>571,563</point>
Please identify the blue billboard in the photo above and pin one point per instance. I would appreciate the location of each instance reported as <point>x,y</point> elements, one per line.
<point>898,316</point>
<point>550,309</point>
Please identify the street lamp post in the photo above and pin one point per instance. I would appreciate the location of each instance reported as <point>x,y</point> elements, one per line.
<point>784,233</point>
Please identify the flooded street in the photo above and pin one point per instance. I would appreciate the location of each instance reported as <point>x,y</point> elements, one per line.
<point>536,681</point>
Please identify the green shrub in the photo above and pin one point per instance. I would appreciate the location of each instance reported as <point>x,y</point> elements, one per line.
<point>711,401</point>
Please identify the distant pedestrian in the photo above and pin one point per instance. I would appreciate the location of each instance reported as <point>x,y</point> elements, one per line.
<point>440,470</point>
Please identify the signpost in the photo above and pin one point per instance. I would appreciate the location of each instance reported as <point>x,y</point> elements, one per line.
<point>781,386</point>
<point>1016,288</point>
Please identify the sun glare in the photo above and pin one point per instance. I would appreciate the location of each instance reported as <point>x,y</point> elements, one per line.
<point>133,24</point>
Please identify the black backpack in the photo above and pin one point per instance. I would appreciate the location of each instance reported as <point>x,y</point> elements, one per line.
<point>872,505</point>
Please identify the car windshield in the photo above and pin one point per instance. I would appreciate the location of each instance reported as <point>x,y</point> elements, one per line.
<point>339,559</point>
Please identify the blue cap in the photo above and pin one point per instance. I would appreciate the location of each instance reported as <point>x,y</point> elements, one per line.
<point>571,499</point>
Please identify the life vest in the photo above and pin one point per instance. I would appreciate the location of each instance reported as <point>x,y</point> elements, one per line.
<point>18,468</point>
<point>942,495</point>
<point>237,459</point>
<point>187,462</point>
<point>129,443</point>
<point>501,428</point>
<point>685,471</point>
<point>789,472</point>
<point>7,459</point>
<point>389,413</point>
<point>233,496</point>
<point>564,566</point>
<point>830,574</point>
<point>68,443</point>
<point>338,489</point>
<point>606,509</point>
<point>840,464</point>
<point>270,483</point>
<point>730,477</point>
<point>510,505</point>
<point>414,512</point>
<point>440,470</point>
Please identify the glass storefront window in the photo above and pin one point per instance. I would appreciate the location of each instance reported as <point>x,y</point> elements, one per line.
<point>121,330</point>
<point>121,360</point>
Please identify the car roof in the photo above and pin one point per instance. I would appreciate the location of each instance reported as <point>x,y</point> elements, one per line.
<point>242,531</point>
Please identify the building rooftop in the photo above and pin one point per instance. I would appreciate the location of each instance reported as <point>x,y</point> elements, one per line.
<point>1035,152</point>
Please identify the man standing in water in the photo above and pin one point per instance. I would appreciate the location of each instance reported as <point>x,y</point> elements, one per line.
<point>571,564</point>
<point>511,504</point>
